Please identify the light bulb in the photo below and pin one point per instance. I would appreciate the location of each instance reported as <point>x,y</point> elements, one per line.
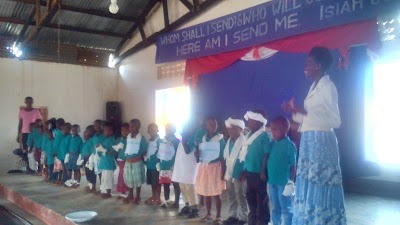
<point>113,8</point>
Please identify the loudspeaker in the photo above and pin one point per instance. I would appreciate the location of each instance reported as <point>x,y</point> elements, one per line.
<point>113,115</point>
<point>113,112</point>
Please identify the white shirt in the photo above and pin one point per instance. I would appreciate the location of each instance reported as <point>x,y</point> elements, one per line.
<point>321,105</point>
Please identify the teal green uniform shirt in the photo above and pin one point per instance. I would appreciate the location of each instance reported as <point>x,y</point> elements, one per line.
<point>45,139</point>
<point>281,157</point>
<point>30,140</point>
<point>238,167</point>
<point>256,152</point>
<point>168,165</point>
<point>153,160</point>
<point>87,148</point>
<point>75,145</point>
<point>221,150</point>
<point>57,138</point>
<point>107,160</point>
<point>50,151</point>
<point>142,149</point>
<point>97,139</point>
<point>63,148</point>
<point>197,137</point>
<point>37,140</point>
<point>121,152</point>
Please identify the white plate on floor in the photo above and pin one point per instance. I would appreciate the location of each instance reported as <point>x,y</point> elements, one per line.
<point>81,216</point>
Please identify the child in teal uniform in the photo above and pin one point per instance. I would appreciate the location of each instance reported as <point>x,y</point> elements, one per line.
<point>166,168</point>
<point>86,152</point>
<point>254,153</point>
<point>37,144</point>
<point>74,149</point>
<point>121,186</point>
<point>30,149</point>
<point>57,135</point>
<point>107,163</point>
<point>209,181</point>
<point>281,171</point>
<point>97,138</point>
<point>235,187</point>
<point>50,153</point>
<point>134,171</point>
<point>63,150</point>
<point>151,162</point>
<point>45,140</point>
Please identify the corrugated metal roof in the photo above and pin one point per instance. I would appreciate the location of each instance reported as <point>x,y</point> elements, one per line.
<point>126,7</point>
<point>92,22</point>
<point>10,29</point>
<point>20,12</point>
<point>49,35</point>
<point>17,10</point>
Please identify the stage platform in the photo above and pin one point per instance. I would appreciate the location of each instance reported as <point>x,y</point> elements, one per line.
<point>50,203</point>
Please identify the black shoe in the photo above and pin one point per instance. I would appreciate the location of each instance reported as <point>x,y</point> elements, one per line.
<point>240,222</point>
<point>230,221</point>
<point>184,211</point>
<point>194,214</point>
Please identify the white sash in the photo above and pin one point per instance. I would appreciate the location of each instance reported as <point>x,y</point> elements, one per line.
<point>210,150</point>
<point>231,158</point>
<point>249,141</point>
<point>152,148</point>
<point>185,167</point>
<point>166,152</point>
<point>133,144</point>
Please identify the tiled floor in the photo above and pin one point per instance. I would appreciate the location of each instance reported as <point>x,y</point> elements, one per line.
<point>361,209</point>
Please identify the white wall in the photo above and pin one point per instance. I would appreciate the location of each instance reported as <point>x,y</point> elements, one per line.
<point>76,93</point>
<point>138,82</point>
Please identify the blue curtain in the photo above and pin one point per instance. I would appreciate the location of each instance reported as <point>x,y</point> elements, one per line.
<point>249,85</point>
<point>265,84</point>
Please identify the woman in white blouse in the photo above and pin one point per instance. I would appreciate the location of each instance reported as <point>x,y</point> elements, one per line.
<point>319,192</point>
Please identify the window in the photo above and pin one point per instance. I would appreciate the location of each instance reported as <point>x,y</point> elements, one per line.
<point>382,115</point>
<point>382,109</point>
<point>172,106</point>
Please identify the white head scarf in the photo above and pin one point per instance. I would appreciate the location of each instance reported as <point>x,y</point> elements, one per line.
<point>234,122</point>
<point>255,116</point>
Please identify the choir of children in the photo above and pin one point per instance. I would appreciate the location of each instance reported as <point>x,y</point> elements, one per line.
<point>202,165</point>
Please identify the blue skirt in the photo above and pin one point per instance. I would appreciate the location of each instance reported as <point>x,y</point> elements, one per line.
<point>319,196</point>
<point>71,165</point>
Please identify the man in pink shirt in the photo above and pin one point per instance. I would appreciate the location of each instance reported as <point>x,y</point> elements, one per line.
<point>27,115</point>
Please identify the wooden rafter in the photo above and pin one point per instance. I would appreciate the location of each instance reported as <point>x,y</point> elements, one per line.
<point>95,12</point>
<point>165,11</point>
<point>37,9</point>
<point>25,28</point>
<point>140,21</point>
<point>152,38</point>
<point>142,33</point>
<point>187,4</point>
<point>196,5</point>
<point>55,26</point>
<point>43,19</point>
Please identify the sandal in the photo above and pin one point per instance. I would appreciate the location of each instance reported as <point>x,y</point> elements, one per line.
<point>137,201</point>
<point>128,200</point>
<point>217,221</point>
<point>155,202</point>
<point>174,206</point>
<point>149,201</point>
<point>206,219</point>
